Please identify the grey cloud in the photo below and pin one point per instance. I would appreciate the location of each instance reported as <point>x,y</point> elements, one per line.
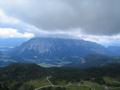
<point>93,16</point>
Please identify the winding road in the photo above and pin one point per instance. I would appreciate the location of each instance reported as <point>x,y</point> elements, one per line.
<point>52,85</point>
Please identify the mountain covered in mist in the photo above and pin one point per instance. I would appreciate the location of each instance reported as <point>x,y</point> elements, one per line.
<point>53,48</point>
<point>64,52</point>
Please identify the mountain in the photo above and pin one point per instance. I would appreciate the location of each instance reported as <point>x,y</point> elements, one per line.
<point>65,52</point>
<point>114,50</point>
<point>54,48</point>
<point>94,60</point>
<point>56,51</point>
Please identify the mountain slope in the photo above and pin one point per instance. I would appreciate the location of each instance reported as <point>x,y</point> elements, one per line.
<point>65,52</point>
<point>114,50</point>
<point>54,48</point>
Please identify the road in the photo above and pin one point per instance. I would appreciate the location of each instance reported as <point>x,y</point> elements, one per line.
<point>52,85</point>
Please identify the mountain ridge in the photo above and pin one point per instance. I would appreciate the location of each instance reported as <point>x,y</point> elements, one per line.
<point>63,52</point>
<point>60,46</point>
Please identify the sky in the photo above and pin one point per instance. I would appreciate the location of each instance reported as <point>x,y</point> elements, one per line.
<point>93,20</point>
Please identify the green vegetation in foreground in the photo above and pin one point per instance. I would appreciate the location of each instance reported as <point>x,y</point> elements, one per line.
<point>78,88</point>
<point>85,85</point>
<point>115,88</point>
<point>111,82</point>
<point>34,77</point>
<point>38,83</point>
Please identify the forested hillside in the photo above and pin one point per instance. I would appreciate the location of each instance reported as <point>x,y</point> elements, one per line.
<point>31,76</point>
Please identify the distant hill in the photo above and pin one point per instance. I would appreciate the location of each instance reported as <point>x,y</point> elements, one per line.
<point>23,71</point>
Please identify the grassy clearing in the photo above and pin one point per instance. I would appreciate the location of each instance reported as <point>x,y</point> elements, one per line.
<point>38,83</point>
<point>85,85</point>
<point>111,81</point>
<point>78,88</point>
<point>116,88</point>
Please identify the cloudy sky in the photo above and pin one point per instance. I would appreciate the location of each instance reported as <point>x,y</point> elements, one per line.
<point>94,20</point>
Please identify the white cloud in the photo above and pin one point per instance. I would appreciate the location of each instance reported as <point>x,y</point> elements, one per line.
<point>7,19</point>
<point>95,16</point>
<point>102,39</point>
<point>26,30</point>
<point>13,33</point>
<point>9,31</point>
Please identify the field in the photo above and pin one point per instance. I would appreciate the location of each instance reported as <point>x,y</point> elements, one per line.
<point>44,84</point>
<point>38,83</point>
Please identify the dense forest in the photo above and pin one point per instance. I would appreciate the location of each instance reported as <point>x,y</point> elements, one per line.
<point>19,76</point>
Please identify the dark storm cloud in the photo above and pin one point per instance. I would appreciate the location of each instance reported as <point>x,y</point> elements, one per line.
<point>91,16</point>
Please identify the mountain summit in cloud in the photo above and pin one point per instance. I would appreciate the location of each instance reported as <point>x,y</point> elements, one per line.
<point>59,51</point>
<point>53,48</point>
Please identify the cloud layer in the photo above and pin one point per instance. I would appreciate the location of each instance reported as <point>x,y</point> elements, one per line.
<point>11,33</point>
<point>94,20</point>
<point>93,16</point>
